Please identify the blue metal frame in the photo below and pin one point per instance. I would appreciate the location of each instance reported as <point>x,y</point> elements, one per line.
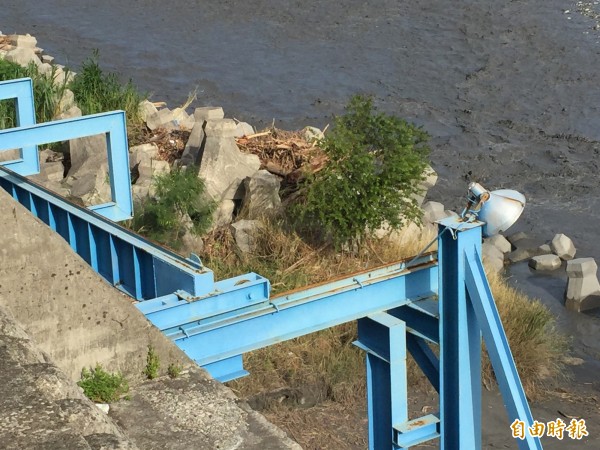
<point>29,135</point>
<point>215,323</point>
<point>134,265</point>
<point>21,91</point>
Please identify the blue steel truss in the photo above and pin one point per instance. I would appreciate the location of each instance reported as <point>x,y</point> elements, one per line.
<point>398,307</point>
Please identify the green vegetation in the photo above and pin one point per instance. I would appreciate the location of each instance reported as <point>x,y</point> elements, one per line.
<point>179,205</point>
<point>152,364</point>
<point>96,91</point>
<point>173,370</point>
<point>101,386</point>
<point>47,93</point>
<point>375,164</point>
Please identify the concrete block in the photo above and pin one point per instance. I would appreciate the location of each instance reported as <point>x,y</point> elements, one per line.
<point>223,168</point>
<point>47,59</point>
<point>191,153</point>
<point>545,249</point>
<point>433,211</point>
<point>261,197</point>
<point>147,110</point>
<point>494,265</point>
<point>164,118</point>
<point>243,129</point>
<point>490,251</point>
<point>545,262</point>
<point>23,57</point>
<point>583,288</point>
<point>513,238</point>
<point>208,113</point>
<point>24,41</point>
<point>563,247</point>
<point>220,128</point>
<point>581,267</point>
<point>500,242</point>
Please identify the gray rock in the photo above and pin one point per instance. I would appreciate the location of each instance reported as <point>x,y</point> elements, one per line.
<point>433,211</point>
<point>545,262</point>
<point>500,242</point>
<point>24,41</point>
<point>208,113</point>
<point>243,129</point>
<point>243,232</point>
<point>545,249</point>
<point>583,288</point>
<point>223,168</point>
<point>513,238</point>
<point>563,247</point>
<point>91,184</point>
<point>164,118</point>
<point>23,57</point>
<point>526,248</point>
<point>90,149</point>
<point>147,110</point>
<point>73,111</point>
<point>67,101</point>
<point>261,196</point>
<point>492,257</point>
<point>47,59</point>
<point>490,251</point>
<point>223,215</point>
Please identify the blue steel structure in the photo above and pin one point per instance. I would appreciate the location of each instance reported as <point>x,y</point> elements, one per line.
<point>399,307</point>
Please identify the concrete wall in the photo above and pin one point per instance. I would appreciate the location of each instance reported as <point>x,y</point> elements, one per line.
<point>74,315</point>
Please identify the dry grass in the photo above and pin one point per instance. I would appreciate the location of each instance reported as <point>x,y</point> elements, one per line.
<point>302,384</point>
<point>536,346</point>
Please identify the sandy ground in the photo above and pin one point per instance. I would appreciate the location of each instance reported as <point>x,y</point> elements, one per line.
<point>507,89</point>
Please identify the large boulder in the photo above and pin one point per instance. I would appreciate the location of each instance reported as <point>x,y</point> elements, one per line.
<point>583,288</point>
<point>563,247</point>
<point>222,166</point>
<point>261,197</point>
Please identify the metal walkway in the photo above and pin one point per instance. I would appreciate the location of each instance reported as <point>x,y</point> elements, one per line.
<point>444,301</point>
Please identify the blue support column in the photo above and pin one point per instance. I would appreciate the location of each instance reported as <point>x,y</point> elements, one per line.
<point>460,342</point>
<point>383,337</point>
<point>467,310</point>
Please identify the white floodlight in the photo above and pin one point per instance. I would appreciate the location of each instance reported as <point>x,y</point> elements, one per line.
<point>498,209</point>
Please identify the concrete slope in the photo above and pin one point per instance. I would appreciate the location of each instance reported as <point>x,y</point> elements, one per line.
<point>79,320</point>
<point>40,407</point>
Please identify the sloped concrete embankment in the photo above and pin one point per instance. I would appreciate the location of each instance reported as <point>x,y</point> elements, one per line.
<point>78,320</point>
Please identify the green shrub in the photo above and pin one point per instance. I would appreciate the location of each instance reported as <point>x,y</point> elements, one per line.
<point>376,162</point>
<point>179,194</point>
<point>47,94</point>
<point>96,92</point>
<point>101,386</point>
<point>152,363</point>
<point>174,370</point>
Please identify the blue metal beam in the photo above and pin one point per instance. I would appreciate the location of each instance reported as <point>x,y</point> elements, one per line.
<point>132,264</point>
<point>460,342</point>
<point>498,349</point>
<point>208,339</point>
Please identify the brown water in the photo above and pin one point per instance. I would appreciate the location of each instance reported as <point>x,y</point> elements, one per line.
<point>508,89</point>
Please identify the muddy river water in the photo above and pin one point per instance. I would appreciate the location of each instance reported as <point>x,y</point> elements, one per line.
<point>508,90</point>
